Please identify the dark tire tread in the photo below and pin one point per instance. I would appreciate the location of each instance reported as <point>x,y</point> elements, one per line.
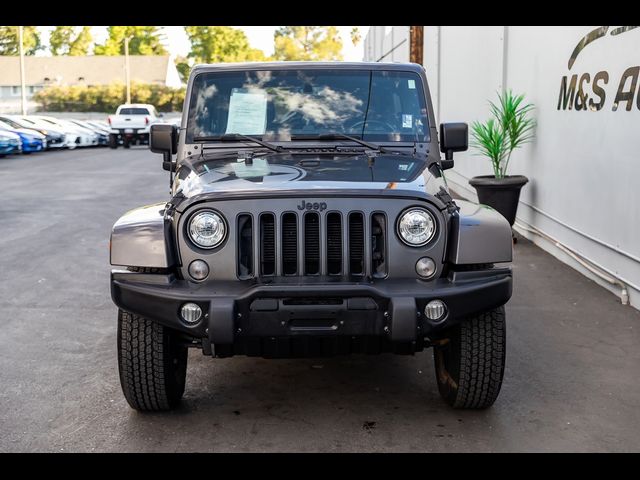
<point>152,373</point>
<point>478,355</point>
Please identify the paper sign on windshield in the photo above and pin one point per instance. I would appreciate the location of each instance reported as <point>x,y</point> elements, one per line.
<point>247,112</point>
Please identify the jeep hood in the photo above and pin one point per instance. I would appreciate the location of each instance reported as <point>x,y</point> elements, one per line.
<point>305,172</point>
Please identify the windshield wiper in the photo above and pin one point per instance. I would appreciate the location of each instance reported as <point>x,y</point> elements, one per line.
<point>338,136</point>
<point>235,137</point>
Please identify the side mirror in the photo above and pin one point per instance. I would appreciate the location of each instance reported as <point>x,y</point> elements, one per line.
<point>163,138</point>
<point>454,137</point>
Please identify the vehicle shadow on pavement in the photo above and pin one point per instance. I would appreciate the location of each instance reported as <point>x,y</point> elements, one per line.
<point>356,403</point>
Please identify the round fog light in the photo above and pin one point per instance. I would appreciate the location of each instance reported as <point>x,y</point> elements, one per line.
<point>425,267</point>
<point>198,269</point>
<point>191,312</point>
<point>435,310</point>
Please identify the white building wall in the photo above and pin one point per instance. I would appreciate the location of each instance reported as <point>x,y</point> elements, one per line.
<point>584,166</point>
<point>173,77</point>
<point>387,44</point>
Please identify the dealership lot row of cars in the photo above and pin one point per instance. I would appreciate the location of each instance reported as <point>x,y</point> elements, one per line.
<point>34,133</point>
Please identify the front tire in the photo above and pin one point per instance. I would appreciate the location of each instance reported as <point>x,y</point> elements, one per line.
<point>469,363</point>
<point>113,141</point>
<point>152,363</point>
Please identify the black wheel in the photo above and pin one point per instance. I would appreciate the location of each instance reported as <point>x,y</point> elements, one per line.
<point>470,361</point>
<point>113,141</point>
<point>152,363</point>
<point>126,142</point>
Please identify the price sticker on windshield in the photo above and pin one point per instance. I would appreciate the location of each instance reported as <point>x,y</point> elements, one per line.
<point>407,121</point>
<point>247,112</point>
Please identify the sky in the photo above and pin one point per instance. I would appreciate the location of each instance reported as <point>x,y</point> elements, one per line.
<point>259,37</point>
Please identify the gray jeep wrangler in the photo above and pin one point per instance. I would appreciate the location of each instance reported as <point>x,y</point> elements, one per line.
<point>309,216</point>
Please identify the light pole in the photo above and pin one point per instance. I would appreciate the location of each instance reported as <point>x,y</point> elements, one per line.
<point>23,90</point>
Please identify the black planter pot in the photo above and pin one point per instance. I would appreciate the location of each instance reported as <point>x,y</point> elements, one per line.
<point>501,194</point>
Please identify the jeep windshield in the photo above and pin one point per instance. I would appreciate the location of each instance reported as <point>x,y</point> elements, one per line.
<point>380,106</point>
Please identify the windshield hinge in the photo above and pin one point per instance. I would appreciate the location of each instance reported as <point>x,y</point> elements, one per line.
<point>446,198</point>
<point>420,148</point>
<point>371,156</point>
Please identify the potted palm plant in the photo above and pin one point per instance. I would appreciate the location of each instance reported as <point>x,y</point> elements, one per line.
<point>509,127</point>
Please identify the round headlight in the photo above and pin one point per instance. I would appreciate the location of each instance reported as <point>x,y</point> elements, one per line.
<point>416,227</point>
<point>207,229</point>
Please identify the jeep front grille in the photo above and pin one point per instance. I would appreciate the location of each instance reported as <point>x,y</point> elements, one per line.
<point>312,243</point>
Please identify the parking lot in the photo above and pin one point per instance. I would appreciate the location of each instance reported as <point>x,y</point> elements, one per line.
<point>571,382</point>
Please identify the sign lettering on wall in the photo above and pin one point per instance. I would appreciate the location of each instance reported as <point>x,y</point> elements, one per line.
<point>583,91</point>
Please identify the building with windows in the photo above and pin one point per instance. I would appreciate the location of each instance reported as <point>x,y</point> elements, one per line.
<point>582,202</point>
<point>79,70</point>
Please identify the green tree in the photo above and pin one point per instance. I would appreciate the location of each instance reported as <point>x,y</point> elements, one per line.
<point>215,44</point>
<point>65,40</point>
<point>307,43</point>
<point>9,41</point>
<point>184,67</point>
<point>143,40</point>
<point>106,98</point>
<point>356,36</point>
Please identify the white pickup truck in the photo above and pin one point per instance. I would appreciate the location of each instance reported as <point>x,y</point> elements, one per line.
<point>131,123</point>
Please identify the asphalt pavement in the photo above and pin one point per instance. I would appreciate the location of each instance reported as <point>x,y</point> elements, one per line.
<point>571,381</point>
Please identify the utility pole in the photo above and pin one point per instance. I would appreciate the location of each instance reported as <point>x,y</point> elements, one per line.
<point>126,68</point>
<point>23,89</point>
<point>416,44</point>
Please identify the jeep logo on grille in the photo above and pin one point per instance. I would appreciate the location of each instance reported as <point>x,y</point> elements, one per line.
<point>312,206</point>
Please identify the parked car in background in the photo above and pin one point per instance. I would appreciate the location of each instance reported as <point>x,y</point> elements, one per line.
<point>87,137</point>
<point>9,143</point>
<point>71,137</point>
<point>31,140</point>
<point>130,124</point>
<point>54,138</point>
<point>101,133</point>
<point>100,124</point>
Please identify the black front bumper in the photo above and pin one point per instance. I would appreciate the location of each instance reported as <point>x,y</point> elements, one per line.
<point>238,313</point>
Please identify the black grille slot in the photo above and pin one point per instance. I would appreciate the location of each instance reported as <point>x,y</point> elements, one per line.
<point>289,244</point>
<point>245,246</point>
<point>311,243</point>
<point>267,244</point>
<point>378,245</point>
<point>334,243</point>
<point>356,243</point>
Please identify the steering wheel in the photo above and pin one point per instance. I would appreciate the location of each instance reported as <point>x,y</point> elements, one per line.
<point>382,126</point>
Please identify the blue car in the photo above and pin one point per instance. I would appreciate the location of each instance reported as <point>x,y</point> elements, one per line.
<point>31,140</point>
<point>9,143</point>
